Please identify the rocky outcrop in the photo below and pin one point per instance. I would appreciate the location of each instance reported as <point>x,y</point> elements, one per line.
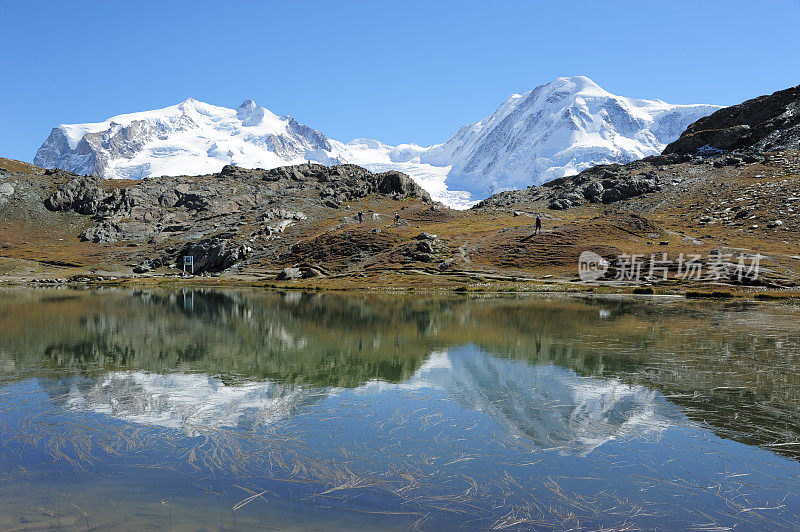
<point>600,184</point>
<point>347,182</point>
<point>81,194</point>
<point>630,188</point>
<point>338,183</point>
<point>288,274</point>
<point>104,232</point>
<point>213,254</point>
<point>205,216</point>
<point>766,123</point>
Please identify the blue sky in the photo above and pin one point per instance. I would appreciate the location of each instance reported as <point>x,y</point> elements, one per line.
<point>396,71</point>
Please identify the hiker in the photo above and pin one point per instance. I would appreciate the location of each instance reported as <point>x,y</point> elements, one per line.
<point>360,216</point>
<point>538,226</point>
<point>396,218</point>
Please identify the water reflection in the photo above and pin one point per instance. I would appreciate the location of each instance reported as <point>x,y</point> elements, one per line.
<point>192,403</point>
<point>731,368</point>
<point>551,406</point>
<point>441,411</point>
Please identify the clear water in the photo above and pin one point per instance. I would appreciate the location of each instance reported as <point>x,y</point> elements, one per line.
<point>209,410</point>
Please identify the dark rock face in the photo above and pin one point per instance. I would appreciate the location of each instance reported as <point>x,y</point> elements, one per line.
<point>594,191</point>
<point>213,254</point>
<point>400,184</point>
<point>81,194</point>
<point>631,188</point>
<point>766,123</point>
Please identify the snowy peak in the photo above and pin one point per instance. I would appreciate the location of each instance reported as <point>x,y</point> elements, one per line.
<point>554,130</point>
<point>192,137</point>
<point>251,114</point>
<point>559,129</point>
<point>575,85</point>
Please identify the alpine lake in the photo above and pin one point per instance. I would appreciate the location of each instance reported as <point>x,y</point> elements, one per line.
<point>252,409</point>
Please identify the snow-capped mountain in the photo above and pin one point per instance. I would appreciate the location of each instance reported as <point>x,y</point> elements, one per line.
<point>189,138</point>
<point>554,130</point>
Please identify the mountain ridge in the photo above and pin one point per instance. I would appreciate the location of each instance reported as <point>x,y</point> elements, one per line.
<point>554,130</point>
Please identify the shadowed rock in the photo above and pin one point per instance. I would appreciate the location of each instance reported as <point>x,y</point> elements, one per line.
<point>766,123</point>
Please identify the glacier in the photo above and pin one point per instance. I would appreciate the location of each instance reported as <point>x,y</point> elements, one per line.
<point>554,130</point>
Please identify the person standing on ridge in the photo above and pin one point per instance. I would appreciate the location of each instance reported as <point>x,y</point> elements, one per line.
<point>360,216</point>
<point>396,218</point>
<point>538,226</point>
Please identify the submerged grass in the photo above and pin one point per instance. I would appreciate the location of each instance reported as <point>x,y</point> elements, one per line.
<point>430,487</point>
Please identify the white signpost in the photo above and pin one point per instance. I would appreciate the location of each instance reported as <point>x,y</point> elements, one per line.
<point>188,260</point>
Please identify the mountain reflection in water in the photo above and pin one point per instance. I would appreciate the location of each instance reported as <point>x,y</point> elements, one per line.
<point>730,367</point>
<point>192,403</point>
<point>289,410</point>
<point>552,406</point>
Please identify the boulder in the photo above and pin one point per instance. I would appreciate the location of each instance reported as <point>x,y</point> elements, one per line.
<point>425,246</point>
<point>102,233</point>
<point>288,274</point>
<point>560,204</point>
<point>393,182</point>
<point>726,161</point>
<point>423,257</point>
<point>6,191</point>
<point>145,266</point>
<point>629,189</point>
<point>594,191</point>
<point>213,254</point>
<point>575,198</point>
